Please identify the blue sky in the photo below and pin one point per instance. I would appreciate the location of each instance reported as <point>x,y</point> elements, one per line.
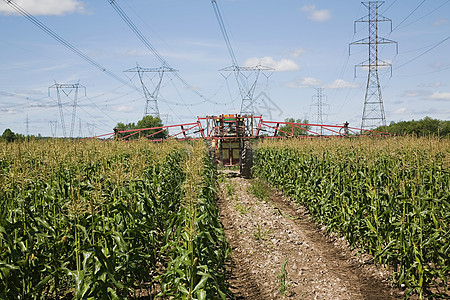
<point>306,42</point>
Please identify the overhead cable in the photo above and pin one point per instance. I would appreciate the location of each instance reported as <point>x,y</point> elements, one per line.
<point>149,46</point>
<point>65,43</point>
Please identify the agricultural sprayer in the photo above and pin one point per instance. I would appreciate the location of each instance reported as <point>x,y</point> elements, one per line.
<point>229,136</point>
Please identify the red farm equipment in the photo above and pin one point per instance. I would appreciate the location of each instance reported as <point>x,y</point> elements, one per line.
<point>229,135</point>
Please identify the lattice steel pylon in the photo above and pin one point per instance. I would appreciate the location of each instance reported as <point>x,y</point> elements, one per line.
<point>53,125</point>
<point>151,99</point>
<point>319,98</point>
<point>373,112</point>
<point>246,90</point>
<point>67,89</point>
<point>27,123</point>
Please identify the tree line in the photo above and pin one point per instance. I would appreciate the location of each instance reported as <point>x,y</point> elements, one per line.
<point>146,122</point>
<point>424,127</point>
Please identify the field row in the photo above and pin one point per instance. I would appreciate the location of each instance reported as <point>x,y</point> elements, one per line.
<point>95,220</point>
<point>391,198</point>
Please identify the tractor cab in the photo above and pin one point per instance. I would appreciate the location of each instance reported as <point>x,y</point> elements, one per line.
<point>229,126</point>
<point>230,142</point>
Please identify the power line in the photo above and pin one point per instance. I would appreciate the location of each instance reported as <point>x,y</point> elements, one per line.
<point>417,57</point>
<point>410,14</point>
<point>423,53</point>
<point>56,104</point>
<point>429,13</point>
<point>63,87</point>
<point>246,90</point>
<point>149,46</point>
<point>373,112</point>
<point>426,73</point>
<point>102,110</point>
<point>426,51</point>
<point>344,66</point>
<point>62,41</point>
<point>389,6</point>
<point>20,97</point>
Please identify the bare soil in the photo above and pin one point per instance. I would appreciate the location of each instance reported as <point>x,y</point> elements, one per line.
<point>265,235</point>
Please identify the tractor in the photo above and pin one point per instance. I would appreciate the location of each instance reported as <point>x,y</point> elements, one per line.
<point>229,135</point>
<point>230,141</point>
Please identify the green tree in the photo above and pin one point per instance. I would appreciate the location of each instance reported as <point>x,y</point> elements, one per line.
<point>146,122</point>
<point>298,129</point>
<point>426,126</point>
<point>8,135</point>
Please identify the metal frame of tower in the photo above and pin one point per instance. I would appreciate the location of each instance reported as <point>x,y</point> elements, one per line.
<point>80,133</point>
<point>373,112</point>
<point>90,127</point>
<point>53,125</point>
<point>246,91</point>
<point>319,97</point>
<point>27,123</point>
<point>151,103</point>
<point>63,87</point>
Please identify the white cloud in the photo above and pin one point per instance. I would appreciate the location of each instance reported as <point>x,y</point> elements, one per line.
<point>303,83</point>
<point>439,22</point>
<point>342,84</point>
<point>432,84</point>
<point>44,7</point>
<point>439,65</point>
<point>267,61</point>
<point>401,111</point>
<point>318,15</point>
<point>310,82</point>
<point>440,96</point>
<point>123,108</point>
<point>416,93</point>
<point>296,52</point>
<point>7,110</point>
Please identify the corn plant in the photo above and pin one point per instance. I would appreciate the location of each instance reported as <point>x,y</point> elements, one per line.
<point>389,197</point>
<point>95,219</point>
<point>198,253</point>
<point>283,279</point>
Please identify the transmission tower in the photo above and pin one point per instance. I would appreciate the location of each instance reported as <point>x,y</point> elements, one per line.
<point>90,128</point>
<point>67,89</point>
<point>246,90</point>
<point>53,125</point>
<point>80,132</point>
<point>373,112</point>
<point>151,104</point>
<point>319,101</point>
<point>27,122</point>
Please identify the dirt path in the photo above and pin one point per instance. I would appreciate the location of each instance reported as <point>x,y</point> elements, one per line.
<point>265,235</point>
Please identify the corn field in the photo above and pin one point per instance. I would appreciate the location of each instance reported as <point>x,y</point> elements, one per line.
<point>389,197</point>
<point>107,220</point>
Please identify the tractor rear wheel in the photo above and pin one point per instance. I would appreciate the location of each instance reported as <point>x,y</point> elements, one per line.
<point>247,160</point>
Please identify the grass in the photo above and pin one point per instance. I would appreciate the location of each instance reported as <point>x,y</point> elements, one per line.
<point>230,188</point>
<point>261,233</point>
<point>283,279</point>
<point>260,189</point>
<point>241,208</point>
